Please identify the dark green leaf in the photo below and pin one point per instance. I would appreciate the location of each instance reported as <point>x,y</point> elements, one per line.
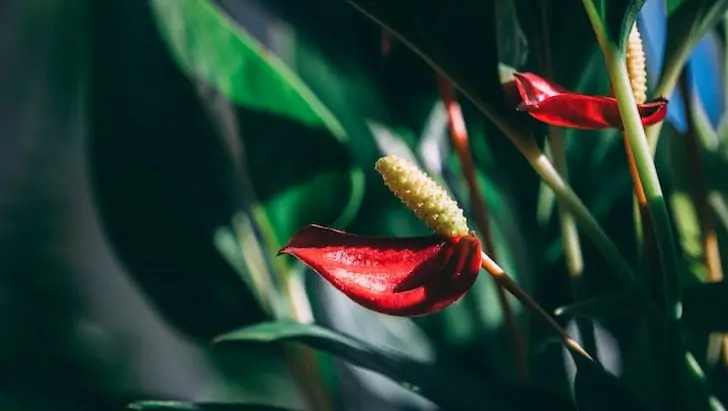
<point>434,382</point>
<point>618,17</point>
<point>560,38</point>
<point>417,376</point>
<point>439,32</point>
<point>686,25</point>
<point>595,389</point>
<point>704,306</point>
<point>200,406</point>
<point>161,176</point>
<point>622,304</point>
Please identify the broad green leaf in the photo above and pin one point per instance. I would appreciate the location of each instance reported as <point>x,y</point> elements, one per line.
<point>432,381</point>
<point>595,389</point>
<point>420,377</point>
<point>200,406</point>
<point>208,45</point>
<point>687,23</point>
<point>704,306</point>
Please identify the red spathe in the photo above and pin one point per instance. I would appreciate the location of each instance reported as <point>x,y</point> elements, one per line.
<point>397,276</point>
<point>556,106</point>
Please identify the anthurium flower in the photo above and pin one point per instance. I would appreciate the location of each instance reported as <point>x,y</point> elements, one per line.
<point>554,105</point>
<point>408,276</point>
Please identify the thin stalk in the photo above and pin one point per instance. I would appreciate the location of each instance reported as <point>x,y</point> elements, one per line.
<point>700,198</point>
<point>570,239</point>
<point>500,276</point>
<point>569,233</point>
<point>526,144</point>
<point>460,142</point>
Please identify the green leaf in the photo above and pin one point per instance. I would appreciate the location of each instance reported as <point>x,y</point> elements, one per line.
<point>199,406</point>
<point>687,23</point>
<point>618,17</point>
<point>432,381</point>
<point>208,45</point>
<point>419,377</point>
<point>595,389</point>
<point>704,306</point>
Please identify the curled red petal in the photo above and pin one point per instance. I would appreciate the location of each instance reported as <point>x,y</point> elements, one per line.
<point>397,276</point>
<point>556,106</point>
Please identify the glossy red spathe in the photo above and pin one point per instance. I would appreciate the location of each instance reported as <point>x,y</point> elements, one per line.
<point>554,105</point>
<point>409,276</point>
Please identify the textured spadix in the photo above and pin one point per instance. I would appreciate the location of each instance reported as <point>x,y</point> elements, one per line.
<point>430,202</point>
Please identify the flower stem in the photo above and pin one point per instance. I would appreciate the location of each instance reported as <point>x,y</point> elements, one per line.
<point>460,142</point>
<point>500,276</point>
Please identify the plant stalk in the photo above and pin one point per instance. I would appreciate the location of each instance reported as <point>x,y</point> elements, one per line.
<point>651,185</point>
<point>632,123</point>
<point>500,276</point>
<point>569,233</point>
<point>460,142</point>
<point>570,239</point>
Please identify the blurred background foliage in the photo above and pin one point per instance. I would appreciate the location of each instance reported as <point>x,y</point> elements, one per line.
<point>158,153</point>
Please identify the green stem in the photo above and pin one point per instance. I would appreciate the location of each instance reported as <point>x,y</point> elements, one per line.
<point>632,123</point>
<point>648,175</point>
<point>569,234</point>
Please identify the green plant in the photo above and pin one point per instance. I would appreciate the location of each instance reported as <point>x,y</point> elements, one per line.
<point>290,127</point>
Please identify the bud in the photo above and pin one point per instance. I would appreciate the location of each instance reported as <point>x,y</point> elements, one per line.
<point>423,196</point>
